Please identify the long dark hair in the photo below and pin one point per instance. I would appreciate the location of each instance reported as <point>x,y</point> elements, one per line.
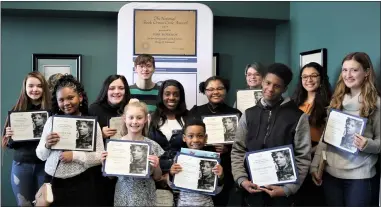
<point>160,115</point>
<point>70,82</point>
<point>102,96</point>
<point>322,96</point>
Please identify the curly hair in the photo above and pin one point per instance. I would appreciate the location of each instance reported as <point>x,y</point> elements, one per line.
<point>369,92</point>
<point>70,82</point>
<point>53,80</point>
<point>202,86</point>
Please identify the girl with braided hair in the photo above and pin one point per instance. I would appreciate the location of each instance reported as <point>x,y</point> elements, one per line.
<point>73,182</point>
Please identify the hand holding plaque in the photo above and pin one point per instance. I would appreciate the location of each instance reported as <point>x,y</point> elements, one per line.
<point>341,130</point>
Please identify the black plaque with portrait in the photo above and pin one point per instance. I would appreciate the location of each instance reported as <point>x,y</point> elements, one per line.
<point>272,166</point>
<point>127,158</point>
<point>77,133</point>
<point>27,125</point>
<point>196,174</point>
<point>221,129</point>
<point>341,128</point>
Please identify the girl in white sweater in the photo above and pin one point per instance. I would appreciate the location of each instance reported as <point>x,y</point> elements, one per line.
<point>348,177</point>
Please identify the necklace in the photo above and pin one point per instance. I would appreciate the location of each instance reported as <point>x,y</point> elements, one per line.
<point>211,109</point>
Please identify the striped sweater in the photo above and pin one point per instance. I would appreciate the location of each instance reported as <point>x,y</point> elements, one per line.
<point>148,96</point>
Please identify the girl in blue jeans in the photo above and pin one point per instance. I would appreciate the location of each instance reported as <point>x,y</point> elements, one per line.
<point>349,178</point>
<point>28,173</point>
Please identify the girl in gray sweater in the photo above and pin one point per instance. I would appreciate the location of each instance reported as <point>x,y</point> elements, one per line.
<point>348,177</point>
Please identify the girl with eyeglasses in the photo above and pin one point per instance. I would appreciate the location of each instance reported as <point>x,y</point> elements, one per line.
<point>312,95</point>
<point>254,75</point>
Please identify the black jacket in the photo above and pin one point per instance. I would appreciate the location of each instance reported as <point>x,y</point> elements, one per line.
<point>170,147</point>
<point>271,126</point>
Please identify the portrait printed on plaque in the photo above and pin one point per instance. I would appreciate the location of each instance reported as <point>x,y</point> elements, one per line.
<point>283,165</point>
<point>230,128</point>
<point>38,120</point>
<point>352,126</point>
<point>84,134</point>
<point>139,156</point>
<point>206,176</point>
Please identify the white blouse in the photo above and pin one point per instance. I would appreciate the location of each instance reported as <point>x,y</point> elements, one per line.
<point>168,127</point>
<point>81,160</point>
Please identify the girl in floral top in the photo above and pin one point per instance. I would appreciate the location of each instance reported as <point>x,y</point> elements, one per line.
<point>131,191</point>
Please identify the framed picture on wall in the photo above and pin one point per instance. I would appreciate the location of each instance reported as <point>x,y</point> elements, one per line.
<point>318,56</point>
<point>216,58</point>
<point>50,64</point>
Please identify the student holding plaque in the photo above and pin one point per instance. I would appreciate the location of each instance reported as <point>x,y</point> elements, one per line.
<point>254,75</point>
<point>274,122</point>
<point>145,89</point>
<point>132,191</point>
<point>350,178</point>
<point>215,89</point>
<point>166,127</point>
<point>112,98</point>
<point>69,168</point>
<point>195,138</point>
<point>27,170</point>
<point>312,95</point>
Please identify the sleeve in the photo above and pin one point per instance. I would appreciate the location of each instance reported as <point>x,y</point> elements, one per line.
<point>41,151</point>
<point>158,151</point>
<point>12,144</point>
<point>90,159</point>
<point>302,150</point>
<point>238,152</point>
<point>373,144</point>
<point>317,156</point>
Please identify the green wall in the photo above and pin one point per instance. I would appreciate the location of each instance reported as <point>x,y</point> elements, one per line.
<point>262,10</point>
<point>238,41</point>
<point>341,27</point>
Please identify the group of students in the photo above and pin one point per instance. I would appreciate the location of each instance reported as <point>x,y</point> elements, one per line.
<point>159,115</point>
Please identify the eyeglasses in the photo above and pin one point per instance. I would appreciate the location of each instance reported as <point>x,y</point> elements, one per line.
<point>148,66</point>
<point>312,76</point>
<point>214,89</point>
<point>252,74</point>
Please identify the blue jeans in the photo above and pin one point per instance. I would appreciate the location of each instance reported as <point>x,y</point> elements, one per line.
<point>26,179</point>
<point>347,192</point>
